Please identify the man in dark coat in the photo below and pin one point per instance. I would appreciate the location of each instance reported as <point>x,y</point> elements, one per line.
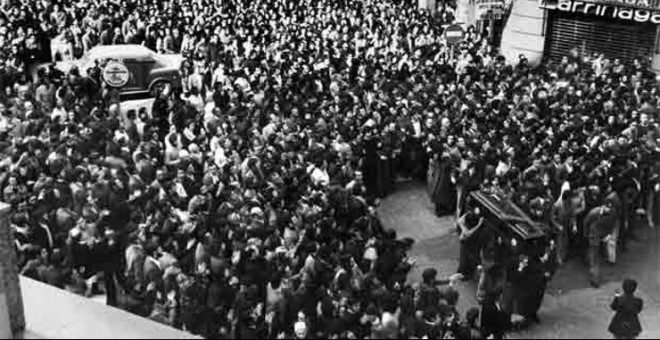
<point>625,324</point>
<point>160,112</point>
<point>530,281</point>
<point>110,256</point>
<point>429,294</point>
<point>494,321</point>
<point>441,189</point>
<point>469,225</point>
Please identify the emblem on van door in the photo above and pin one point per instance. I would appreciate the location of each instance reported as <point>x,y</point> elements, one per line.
<point>116,74</point>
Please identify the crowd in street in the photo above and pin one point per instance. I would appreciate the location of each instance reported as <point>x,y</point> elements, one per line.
<point>243,204</point>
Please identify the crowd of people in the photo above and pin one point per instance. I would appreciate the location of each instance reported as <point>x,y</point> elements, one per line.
<point>243,204</point>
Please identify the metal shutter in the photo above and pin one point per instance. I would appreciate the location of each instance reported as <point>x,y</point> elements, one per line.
<point>617,39</point>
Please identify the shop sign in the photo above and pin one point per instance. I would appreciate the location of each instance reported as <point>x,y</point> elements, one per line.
<point>489,9</point>
<point>641,4</point>
<point>116,74</point>
<point>610,9</point>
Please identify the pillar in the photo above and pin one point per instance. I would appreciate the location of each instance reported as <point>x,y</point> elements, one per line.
<point>5,325</point>
<point>524,32</point>
<point>11,300</point>
<point>464,12</point>
<point>655,62</point>
<point>429,5</point>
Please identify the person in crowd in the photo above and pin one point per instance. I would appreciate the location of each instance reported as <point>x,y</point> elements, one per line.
<point>567,209</point>
<point>494,320</point>
<point>440,186</point>
<point>625,323</point>
<point>470,226</point>
<point>599,223</point>
<point>529,284</point>
<point>470,328</point>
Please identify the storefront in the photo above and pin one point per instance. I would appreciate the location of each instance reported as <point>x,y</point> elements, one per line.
<point>487,16</point>
<point>429,5</point>
<point>624,29</point>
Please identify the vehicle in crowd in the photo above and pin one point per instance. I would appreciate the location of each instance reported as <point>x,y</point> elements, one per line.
<point>148,71</point>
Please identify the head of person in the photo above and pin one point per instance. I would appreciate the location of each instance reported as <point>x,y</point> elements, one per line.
<point>300,330</point>
<point>429,275</point>
<point>472,316</point>
<point>629,286</point>
<point>644,119</point>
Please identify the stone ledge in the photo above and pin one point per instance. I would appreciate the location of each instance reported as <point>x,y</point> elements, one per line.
<point>52,313</point>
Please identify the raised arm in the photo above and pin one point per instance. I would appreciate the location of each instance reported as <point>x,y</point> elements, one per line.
<point>462,223</point>
<point>615,304</point>
<point>468,233</point>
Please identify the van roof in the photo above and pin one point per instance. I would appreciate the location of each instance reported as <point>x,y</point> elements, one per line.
<point>119,51</point>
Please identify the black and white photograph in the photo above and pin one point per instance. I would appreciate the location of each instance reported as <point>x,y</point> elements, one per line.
<point>329,169</point>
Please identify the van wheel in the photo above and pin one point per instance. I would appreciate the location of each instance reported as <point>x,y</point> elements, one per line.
<point>157,88</point>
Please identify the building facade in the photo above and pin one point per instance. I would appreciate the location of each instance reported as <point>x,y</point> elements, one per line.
<point>549,29</point>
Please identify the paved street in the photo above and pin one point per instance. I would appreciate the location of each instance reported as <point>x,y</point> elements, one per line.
<point>571,309</point>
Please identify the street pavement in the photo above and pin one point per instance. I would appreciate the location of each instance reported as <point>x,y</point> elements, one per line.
<point>571,308</point>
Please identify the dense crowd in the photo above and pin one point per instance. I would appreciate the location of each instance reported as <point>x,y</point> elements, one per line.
<point>243,203</point>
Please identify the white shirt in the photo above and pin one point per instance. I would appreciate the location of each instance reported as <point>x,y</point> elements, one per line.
<point>219,75</point>
<point>342,147</point>
<point>268,130</point>
<point>243,84</point>
<point>502,169</point>
<point>188,133</point>
<point>219,157</point>
<point>5,124</point>
<point>180,190</point>
<point>140,125</point>
<point>320,176</point>
<point>214,144</point>
<point>197,102</point>
<point>121,135</point>
<point>59,112</point>
<point>418,128</point>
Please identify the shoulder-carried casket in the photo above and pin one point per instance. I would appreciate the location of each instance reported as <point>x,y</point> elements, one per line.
<point>506,222</point>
